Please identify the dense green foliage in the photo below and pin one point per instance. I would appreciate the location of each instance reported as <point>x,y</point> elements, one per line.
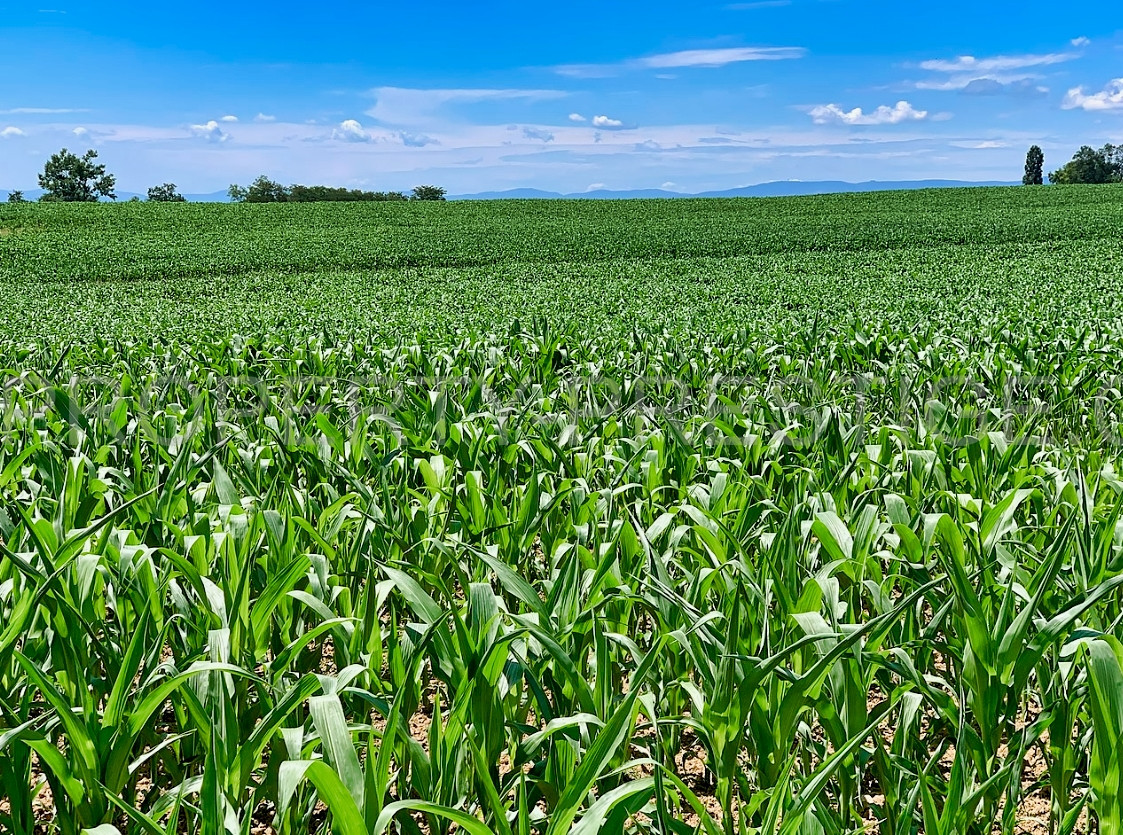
<point>328,194</point>
<point>165,193</point>
<point>69,178</point>
<point>1035,167</point>
<point>721,516</point>
<point>265,190</point>
<point>1091,167</point>
<point>428,193</point>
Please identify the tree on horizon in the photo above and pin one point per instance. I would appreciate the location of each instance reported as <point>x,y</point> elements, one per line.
<point>1035,167</point>
<point>69,178</point>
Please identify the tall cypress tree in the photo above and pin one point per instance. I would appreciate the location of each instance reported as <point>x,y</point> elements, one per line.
<point>1035,167</point>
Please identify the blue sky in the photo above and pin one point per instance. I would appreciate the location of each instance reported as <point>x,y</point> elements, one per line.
<point>687,96</point>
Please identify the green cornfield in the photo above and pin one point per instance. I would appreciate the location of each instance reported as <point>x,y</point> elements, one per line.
<point>798,516</point>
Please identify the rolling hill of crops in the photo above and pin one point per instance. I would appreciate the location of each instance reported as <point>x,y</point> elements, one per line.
<point>749,516</point>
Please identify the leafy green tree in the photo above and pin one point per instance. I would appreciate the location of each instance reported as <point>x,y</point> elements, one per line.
<point>428,193</point>
<point>16,197</point>
<point>1089,166</point>
<point>1114,156</point>
<point>1035,166</point>
<point>69,178</point>
<point>236,193</point>
<point>264,190</point>
<point>165,193</point>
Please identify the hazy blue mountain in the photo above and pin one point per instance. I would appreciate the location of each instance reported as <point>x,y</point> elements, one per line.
<point>785,188</point>
<point>213,197</point>
<point>510,194</point>
<point>794,188</point>
<point>635,194</point>
<point>28,194</point>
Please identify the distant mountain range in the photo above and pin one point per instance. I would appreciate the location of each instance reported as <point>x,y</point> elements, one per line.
<point>783,188</point>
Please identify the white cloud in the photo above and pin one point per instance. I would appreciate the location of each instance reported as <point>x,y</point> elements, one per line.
<point>902,111</point>
<point>1081,41</point>
<point>684,58</point>
<point>350,130</point>
<point>607,123</point>
<point>229,119</point>
<point>10,132</point>
<point>1109,98</point>
<point>211,132</point>
<point>577,117</point>
<point>409,106</point>
<point>998,63</point>
<point>262,117</point>
<point>80,132</point>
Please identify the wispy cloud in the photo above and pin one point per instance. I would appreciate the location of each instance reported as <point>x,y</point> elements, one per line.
<point>409,106</point>
<point>540,134</point>
<point>708,58</point>
<point>902,111</point>
<point>45,111</point>
<point>11,132</point>
<point>980,145</point>
<point>416,140</point>
<point>1081,41</point>
<point>263,117</point>
<point>998,63</point>
<point>1109,98</point>
<point>999,75</point>
<point>577,117</point>
<point>210,131</point>
<point>229,119</point>
<point>988,85</point>
<point>759,4</point>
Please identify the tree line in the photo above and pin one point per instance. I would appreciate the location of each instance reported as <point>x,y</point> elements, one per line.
<point>1088,166</point>
<point>264,190</point>
<point>69,178</point>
